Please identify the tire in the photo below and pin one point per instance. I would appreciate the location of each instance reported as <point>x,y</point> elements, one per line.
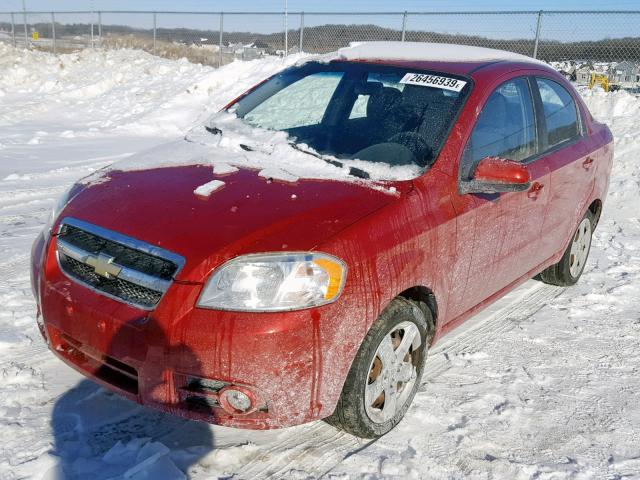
<point>570,267</point>
<point>402,317</point>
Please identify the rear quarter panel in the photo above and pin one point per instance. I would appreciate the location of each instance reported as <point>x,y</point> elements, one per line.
<point>604,145</point>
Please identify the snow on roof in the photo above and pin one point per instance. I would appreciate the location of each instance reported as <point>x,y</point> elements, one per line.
<point>420,51</point>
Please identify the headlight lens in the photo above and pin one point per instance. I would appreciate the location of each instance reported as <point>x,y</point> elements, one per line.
<point>275,282</point>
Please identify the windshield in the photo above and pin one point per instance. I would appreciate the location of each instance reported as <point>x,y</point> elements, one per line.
<point>376,113</point>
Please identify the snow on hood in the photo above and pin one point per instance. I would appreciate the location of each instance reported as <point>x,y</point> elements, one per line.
<point>228,143</point>
<point>418,51</point>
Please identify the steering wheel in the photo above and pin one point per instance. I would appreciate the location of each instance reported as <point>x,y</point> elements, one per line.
<point>417,144</point>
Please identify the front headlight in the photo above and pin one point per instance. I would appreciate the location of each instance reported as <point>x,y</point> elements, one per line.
<point>275,282</point>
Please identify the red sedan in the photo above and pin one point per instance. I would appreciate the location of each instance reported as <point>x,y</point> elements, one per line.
<point>268,302</point>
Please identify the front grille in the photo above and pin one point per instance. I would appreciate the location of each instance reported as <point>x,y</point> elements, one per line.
<point>127,291</point>
<point>127,257</point>
<point>135,272</point>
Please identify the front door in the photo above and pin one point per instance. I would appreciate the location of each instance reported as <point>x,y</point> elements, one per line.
<point>502,246</point>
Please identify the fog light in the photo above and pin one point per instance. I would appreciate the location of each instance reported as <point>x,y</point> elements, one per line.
<point>236,400</point>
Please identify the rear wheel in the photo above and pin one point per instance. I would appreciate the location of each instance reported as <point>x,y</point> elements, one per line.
<point>386,372</point>
<point>570,267</point>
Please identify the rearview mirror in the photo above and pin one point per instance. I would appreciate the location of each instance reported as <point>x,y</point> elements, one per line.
<point>495,174</point>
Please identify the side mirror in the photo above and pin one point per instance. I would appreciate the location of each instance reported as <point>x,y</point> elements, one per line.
<point>495,174</point>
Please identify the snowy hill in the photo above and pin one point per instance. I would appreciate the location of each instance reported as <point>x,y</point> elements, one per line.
<point>544,384</point>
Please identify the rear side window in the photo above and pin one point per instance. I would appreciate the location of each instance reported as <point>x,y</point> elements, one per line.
<point>505,128</point>
<point>559,112</point>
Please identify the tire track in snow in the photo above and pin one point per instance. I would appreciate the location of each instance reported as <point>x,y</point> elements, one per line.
<point>319,448</point>
<point>473,337</point>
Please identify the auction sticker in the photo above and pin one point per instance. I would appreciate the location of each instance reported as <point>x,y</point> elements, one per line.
<point>435,81</point>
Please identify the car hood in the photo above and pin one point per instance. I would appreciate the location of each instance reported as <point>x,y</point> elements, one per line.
<point>248,214</point>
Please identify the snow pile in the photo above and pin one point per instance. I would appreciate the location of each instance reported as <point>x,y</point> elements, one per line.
<point>126,90</point>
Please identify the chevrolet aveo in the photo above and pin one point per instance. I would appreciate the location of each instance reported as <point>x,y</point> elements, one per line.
<point>271,303</point>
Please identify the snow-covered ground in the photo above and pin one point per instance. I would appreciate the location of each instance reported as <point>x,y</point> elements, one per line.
<point>544,384</point>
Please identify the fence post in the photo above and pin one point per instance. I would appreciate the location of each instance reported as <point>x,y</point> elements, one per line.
<point>13,30</point>
<point>100,28</point>
<point>53,31</point>
<point>154,32</point>
<point>404,25</point>
<point>220,40</point>
<point>535,45</point>
<point>92,41</point>
<point>26,37</point>
<point>301,31</point>
<point>286,32</point>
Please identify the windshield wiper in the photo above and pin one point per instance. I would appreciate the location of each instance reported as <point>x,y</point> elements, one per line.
<point>213,130</point>
<point>217,131</point>
<point>353,171</point>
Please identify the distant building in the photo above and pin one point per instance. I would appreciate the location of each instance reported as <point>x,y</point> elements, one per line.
<point>625,74</point>
<point>245,52</point>
<point>583,74</point>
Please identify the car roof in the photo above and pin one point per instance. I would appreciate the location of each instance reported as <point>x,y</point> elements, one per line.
<point>461,59</point>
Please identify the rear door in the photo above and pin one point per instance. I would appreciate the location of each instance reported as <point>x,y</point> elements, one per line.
<point>570,160</point>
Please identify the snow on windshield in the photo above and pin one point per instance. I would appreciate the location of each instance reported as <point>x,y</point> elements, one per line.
<point>228,143</point>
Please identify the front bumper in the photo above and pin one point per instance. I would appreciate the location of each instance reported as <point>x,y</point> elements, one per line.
<point>175,357</point>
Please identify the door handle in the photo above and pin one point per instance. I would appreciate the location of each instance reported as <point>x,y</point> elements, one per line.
<point>587,163</point>
<point>534,191</point>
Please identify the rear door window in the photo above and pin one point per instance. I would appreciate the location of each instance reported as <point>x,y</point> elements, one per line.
<point>505,128</point>
<point>559,111</point>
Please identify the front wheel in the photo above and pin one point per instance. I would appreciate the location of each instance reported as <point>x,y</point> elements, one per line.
<point>386,372</point>
<point>570,267</point>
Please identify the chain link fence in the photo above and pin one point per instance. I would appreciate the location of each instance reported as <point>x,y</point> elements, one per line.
<point>217,38</point>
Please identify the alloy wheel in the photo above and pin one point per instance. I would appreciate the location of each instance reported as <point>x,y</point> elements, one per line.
<point>580,248</point>
<point>392,373</point>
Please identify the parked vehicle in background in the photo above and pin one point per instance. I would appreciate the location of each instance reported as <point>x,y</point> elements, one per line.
<point>255,300</point>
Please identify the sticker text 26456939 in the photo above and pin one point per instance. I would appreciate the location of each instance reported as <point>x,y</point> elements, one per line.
<point>435,81</point>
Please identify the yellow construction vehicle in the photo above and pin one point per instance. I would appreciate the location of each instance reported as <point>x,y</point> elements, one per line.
<point>599,79</point>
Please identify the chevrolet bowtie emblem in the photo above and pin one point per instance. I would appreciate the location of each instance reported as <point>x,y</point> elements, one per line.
<point>103,265</point>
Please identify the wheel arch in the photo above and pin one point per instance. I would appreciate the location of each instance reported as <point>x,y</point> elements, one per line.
<point>596,209</point>
<point>425,298</point>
